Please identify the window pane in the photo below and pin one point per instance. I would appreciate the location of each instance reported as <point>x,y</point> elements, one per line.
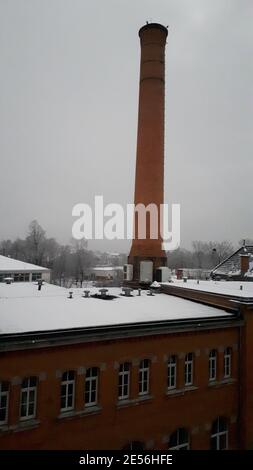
<point>3,401</point>
<point>223,441</point>
<point>65,376</point>
<point>24,398</point>
<point>33,381</point>
<point>2,414</point>
<point>214,443</point>
<point>70,400</point>
<point>25,383</point>
<point>71,375</point>
<point>4,386</point>
<point>63,405</point>
<point>183,435</point>
<point>173,439</point>
<point>222,424</point>
<point>31,409</point>
<point>23,410</point>
<point>215,427</point>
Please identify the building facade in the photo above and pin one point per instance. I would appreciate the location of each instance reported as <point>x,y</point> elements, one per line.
<point>153,385</point>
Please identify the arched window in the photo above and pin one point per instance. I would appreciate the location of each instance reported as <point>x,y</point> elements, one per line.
<point>219,435</point>
<point>179,440</point>
<point>212,365</point>
<point>227,363</point>
<point>135,446</point>
<point>68,390</point>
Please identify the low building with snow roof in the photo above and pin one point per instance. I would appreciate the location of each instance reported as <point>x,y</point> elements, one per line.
<point>20,271</point>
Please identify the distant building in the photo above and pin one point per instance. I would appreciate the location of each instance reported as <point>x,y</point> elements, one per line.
<point>101,273</point>
<point>238,266</point>
<point>192,273</point>
<point>19,271</point>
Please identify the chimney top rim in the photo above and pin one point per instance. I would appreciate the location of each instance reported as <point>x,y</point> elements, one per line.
<point>154,26</point>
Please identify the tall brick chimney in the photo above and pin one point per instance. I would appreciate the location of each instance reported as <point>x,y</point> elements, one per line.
<point>149,177</point>
<point>244,262</point>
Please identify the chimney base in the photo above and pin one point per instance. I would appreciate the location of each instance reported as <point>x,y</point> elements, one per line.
<point>158,261</point>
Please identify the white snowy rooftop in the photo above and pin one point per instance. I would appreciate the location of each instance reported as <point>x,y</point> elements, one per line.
<point>13,265</point>
<point>108,268</point>
<point>23,308</point>
<point>230,288</point>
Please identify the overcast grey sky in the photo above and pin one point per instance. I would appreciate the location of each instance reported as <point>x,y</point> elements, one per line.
<point>69,74</point>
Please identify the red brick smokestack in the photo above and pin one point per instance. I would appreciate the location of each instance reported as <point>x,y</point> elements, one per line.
<point>149,178</point>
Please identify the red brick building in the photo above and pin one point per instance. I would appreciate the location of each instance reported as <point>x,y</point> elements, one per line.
<point>141,372</point>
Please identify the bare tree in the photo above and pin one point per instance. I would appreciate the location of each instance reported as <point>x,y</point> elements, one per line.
<point>246,241</point>
<point>35,242</point>
<point>219,251</point>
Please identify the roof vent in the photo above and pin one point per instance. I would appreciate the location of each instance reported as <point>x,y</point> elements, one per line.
<point>150,292</point>
<point>70,295</point>
<point>139,292</point>
<point>127,291</point>
<point>103,292</point>
<point>86,293</point>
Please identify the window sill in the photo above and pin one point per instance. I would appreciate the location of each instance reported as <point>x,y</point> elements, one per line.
<point>134,402</point>
<point>21,426</point>
<point>78,414</point>
<point>180,391</point>
<point>221,383</point>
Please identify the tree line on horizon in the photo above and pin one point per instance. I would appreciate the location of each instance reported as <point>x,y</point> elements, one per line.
<point>75,260</point>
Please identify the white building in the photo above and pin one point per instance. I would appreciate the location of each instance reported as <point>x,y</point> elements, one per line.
<point>20,271</point>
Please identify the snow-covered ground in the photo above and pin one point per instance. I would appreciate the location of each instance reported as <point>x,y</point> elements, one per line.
<point>23,308</point>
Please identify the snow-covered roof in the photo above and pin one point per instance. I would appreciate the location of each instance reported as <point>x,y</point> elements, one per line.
<point>23,308</point>
<point>230,288</point>
<point>108,268</point>
<point>231,265</point>
<point>13,265</point>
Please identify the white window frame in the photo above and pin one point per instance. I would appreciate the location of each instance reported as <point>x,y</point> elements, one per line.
<point>89,387</point>
<point>28,390</point>
<point>212,364</point>
<point>217,435</point>
<point>124,381</point>
<point>184,445</point>
<point>227,363</point>
<point>188,369</point>
<point>68,383</point>
<point>144,375</point>
<point>4,394</point>
<point>172,372</point>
